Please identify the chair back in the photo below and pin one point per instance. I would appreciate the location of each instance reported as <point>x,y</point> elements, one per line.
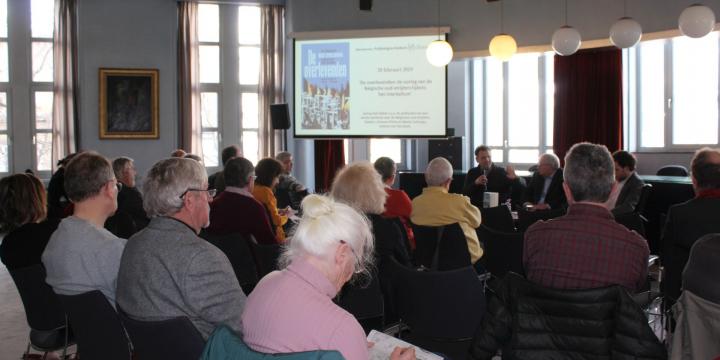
<point>642,201</point>
<point>364,303</point>
<point>498,218</point>
<point>503,251</point>
<point>439,304</point>
<point>266,257</point>
<point>96,325</point>
<point>527,218</point>
<point>43,310</point>
<point>441,247</point>
<point>403,233</point>
<point>672,170</point>
<point>175,338</point>
<point>237,250</point>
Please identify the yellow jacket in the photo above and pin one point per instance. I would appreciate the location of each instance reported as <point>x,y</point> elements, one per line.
<point>265,195</point>
<point>436,207</point>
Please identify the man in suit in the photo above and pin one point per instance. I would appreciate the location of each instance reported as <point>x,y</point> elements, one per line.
<point>545,191</point>
<point>688,221</point>
<point>488,177</point>
<point>626,194</point>
<point>129,199</point>
<point>166,270</point>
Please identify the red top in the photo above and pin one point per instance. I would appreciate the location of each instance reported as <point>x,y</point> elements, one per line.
<point>585,249</point>
<point>235,213</point>
<point>398,205</point>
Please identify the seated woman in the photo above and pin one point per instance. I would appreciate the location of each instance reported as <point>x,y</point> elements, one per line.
<point>291,310</point>
<point>267,172</point>
<point>23,211</point>
<point>398,204</point>
<point>359,186</point>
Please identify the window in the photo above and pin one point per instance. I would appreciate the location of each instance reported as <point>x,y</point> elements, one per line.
<point>513,106</point>
<point>26,86</point>
<point>673,88</point>
<point>229,52</point>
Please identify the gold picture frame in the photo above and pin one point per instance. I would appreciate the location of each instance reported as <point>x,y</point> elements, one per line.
<point>129,104</point>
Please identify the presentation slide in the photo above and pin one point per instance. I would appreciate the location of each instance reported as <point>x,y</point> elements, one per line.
<point>368,87</point>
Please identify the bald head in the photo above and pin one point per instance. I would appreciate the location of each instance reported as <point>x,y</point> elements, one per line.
<point>705,167</point>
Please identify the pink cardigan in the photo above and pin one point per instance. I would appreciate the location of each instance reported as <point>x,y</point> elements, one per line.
<point>292,311</point>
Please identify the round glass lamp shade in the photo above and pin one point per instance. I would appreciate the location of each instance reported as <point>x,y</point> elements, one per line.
<point>625,33</point>
<point>439,53</point>
<point>503,47</point>
<point>696,21</point>
<point>566,41</point>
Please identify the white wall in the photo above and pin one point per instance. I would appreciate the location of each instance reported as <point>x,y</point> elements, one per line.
<point>128,34</point>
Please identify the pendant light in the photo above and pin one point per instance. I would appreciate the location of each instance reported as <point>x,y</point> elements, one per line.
<point>626,32</point>
<point>696,21</point>
<point>439,52</point>
<point>566,40</point>
<point>502,46</point>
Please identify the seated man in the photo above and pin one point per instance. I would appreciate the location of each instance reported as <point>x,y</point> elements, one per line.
<point>235,210</point>
<point>488,177</point>
<point>289,191</point>
<point>586,248</point>
<point>546,186</point>
<point>167,270</point>
<point>81,255</point>
<point>690,220</point>
<point>129,198</point>
<point>626,194</point>
<point>216,180</point>
<point>436,207</point>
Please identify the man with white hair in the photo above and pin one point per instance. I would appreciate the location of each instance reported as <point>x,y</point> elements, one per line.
<point>586,248</point>
<point>436,207</point>
<point>167,270</point>
<point>289,191</point>
<point>81,255</point>
<point>546,186</point>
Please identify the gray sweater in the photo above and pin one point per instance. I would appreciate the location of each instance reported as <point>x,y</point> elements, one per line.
<point>81,257</point>
<point>167,271</point>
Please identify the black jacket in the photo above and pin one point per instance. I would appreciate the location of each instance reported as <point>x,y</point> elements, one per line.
<point>528,321</point>
<point>497,182</point>
<point>629,195</point>
<point>555,195</point>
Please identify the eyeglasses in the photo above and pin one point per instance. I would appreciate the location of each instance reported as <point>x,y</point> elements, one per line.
<point>118,184</point>
<point>210,192</point>
<point>357,259</point>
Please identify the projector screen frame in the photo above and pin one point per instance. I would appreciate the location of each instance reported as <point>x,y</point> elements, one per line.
<point>442,33</point>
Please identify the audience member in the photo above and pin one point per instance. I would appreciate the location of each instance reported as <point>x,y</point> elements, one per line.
<point>697,312</point>
<point>178,153</point>
<point>585,248</point>
<point>688,221</point>
<point>289,191</point>
<point>216,180</point>
<point>398,204</point>
<point>489,177</point>
<point>235,210</point>
<point>194,157</point>
<point>56,197</point>
<point>332,244</point>
<point>129,198</point>
<point>167,271</point>
<point>267,173</point>
<point>359,186</point>
<point>81,255</point>
<point>546,186</point>
<point>436,207</point>
<point>626,195</point>
<point>23,210</point>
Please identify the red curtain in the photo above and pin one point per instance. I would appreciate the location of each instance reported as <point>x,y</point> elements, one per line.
<point>588,99</point>
<point>329,158</point>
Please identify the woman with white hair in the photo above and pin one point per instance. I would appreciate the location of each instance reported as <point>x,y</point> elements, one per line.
<point>291,310</point>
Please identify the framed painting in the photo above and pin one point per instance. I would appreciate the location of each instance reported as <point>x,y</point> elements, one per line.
<point>129,104</point>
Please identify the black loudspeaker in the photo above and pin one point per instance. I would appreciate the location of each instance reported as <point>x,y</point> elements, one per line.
<point>450,148</point>
<point>280,116</point>
<point>366,5</point>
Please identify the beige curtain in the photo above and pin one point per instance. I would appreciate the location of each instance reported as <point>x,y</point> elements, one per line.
<point>190,130</point>
<point>65,80</point>
<point>272,75</point>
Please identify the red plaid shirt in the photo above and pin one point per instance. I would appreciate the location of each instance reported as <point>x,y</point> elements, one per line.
<point>585,249</point>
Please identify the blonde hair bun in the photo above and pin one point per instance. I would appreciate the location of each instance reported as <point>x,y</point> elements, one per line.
<point>315,206</point>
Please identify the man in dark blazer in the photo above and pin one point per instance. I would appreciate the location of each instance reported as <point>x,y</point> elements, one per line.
<point>488,177</point>
<point>129,199</point>
<point>626,194</point>
<point>689,221</point>
<point>545,191</point>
